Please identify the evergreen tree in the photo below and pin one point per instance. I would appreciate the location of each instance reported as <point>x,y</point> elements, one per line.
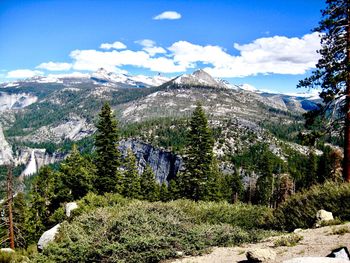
<point>173,189</point>
<point>131,185</point>
<point>77,175</point>
<point>107,154</point>
<point>333,70</point>
<point>164,193</point>
<point>149,185</point>
<point>41,202</point>
<point>198,177</point>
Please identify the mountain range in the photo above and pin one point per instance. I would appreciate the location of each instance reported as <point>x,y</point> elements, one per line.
<point>55,109</point>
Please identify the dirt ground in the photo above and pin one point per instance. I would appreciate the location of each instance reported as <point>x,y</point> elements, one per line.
<point>316,242</point>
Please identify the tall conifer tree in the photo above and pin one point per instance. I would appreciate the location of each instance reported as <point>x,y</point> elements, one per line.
<point>107,154</point>
<point>333,70</point>
<point>198,178</point>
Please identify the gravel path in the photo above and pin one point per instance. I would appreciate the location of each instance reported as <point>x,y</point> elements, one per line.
<point>316,242</point>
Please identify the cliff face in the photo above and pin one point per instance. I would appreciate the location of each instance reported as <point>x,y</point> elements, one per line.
<point>5,149</point>
<point>36,158</point>
<point>164,164</point>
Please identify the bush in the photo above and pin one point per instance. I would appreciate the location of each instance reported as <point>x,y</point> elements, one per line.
<point>239,214</point>
<point>138,231</point>
<point>299,211</point>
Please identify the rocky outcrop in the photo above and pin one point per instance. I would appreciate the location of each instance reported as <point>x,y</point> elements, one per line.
<point>47,237</point>
<point>164,164</point>
<point>261,255</point>
<point>69,207</point>
<point>323,216</point>
<point>5,149</point>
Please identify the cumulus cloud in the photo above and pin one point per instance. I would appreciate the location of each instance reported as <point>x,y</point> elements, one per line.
<point>170,15</point>
<point>268,55</point>
<point>115,45</point>
<point>55,66</point>
<point>23,73</point>
<point>150,47</point>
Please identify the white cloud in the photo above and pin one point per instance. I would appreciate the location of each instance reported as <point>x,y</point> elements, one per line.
<point>150,47</point>
<point>146,42</point>
<point>170,15</point>
<point>23,73</point>
<point>55,66</point>
<point>115,45</point>
<point>268,55</point>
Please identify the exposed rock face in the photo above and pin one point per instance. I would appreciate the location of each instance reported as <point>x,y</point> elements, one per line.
<point>74,128</point>
<point>16,100</point>
<point>35,159</point>
<point>70,207</point>
<point>5,149</point>
<point>323,216</point>
<point>164,164</point>
<point>261,255</point>
<point>47,237</point>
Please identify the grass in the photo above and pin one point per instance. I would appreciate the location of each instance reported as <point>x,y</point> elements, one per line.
<point>340,230</point>
<point>288,240</point>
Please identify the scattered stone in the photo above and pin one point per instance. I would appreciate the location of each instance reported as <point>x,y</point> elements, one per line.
<point>47,237</point>
<point>323,216</point>
<point>316,260</point>
<point>7,250</point>
<point>179,253</point>
<point>70,207</point>
<point>341,252</point>
<point>261,255</point>
<point>298,230</point>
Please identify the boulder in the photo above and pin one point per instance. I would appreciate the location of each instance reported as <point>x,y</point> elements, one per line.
<point>323,216</point>
<point>261,255</point>
<point>316,260</point>
<point>70,207</point>
<point>47,237</point>
<point>341,252</point>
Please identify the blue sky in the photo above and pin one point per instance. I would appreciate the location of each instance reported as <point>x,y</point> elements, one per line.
<point>267,44</point>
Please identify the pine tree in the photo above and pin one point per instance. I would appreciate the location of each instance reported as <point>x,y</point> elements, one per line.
<point>131,182</point>
<point>164,193</point>
<point>107,154</point>
<point>197,178</point>
<point>173,189</point>
<point>77,175</point>
<point>333,71</point>
<point>149,185</point>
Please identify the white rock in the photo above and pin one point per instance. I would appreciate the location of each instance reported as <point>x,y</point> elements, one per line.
<point>261,255</point>
<point>48,236</point>
<point>297,230</point>
<point>323,216</point>
<point>316,260</point>
<point>70,207</point>
<point>7,250</point>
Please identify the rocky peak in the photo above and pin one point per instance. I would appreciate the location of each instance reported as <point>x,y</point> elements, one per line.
<point>199,78</point>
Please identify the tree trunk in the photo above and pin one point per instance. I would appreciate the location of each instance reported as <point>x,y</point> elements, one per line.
<point>346,170</point>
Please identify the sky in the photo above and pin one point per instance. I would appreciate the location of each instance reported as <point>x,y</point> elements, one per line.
<point>268,44</point>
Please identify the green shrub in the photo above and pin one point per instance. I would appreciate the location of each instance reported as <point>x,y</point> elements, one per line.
<point>239,214</point>
<point>299,211</point>
<point>138,231</point>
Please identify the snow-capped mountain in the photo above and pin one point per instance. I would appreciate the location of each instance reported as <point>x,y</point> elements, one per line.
<point>140,81</point>
<point>198,78</point>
